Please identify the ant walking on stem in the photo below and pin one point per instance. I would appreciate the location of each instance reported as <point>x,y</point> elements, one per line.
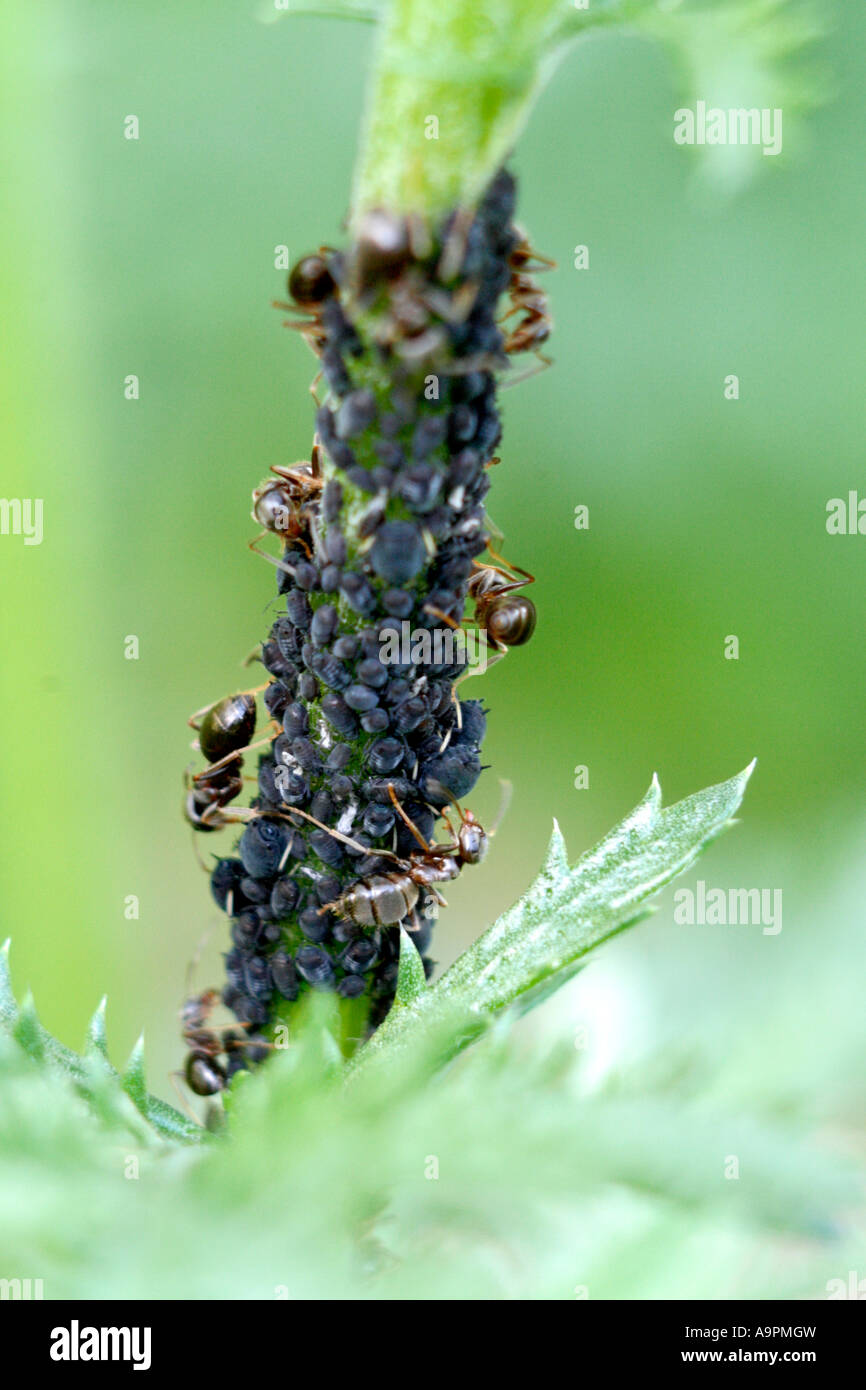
<point>224,729</point>
<point>386,898</point>
<point>507,616</point>
<point>310,285</point>
<point>529,300</point>
<point>281,505</point>
<point>203,1071</point>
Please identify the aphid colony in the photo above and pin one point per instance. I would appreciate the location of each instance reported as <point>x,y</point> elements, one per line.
<point>387,523</point>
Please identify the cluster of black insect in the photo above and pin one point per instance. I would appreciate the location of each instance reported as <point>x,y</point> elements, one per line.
<point>404,323</point>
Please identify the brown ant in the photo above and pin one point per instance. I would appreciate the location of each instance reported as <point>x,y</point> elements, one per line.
<point>203,1071</point>
<point>281,505</point>
<point>387,259</point>
<point>507,618</point>
<point>225,729</point>
<point>384,899</point>
<point>528,300</point>
<point>310,285</point>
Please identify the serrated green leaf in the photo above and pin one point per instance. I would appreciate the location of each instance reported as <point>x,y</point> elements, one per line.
<point>8,1006</point>
<point>411,980</point>
<point>133,1080</point>
<point>27,1030</point>
<point>96,1041</point>
<point>94,1077</point>
<point>556,860</point>
<point>539,944</point>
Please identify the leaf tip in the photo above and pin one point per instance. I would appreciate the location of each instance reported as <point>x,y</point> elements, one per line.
<point>411,980</point>
<point>556,862</point>
<point>96,1037</point>
<point>652,800</point>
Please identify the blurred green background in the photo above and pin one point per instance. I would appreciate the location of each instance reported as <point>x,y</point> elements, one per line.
<point>707,516</point>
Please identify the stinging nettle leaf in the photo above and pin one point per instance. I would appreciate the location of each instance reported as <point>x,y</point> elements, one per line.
<point>27,1030</point>
<point>539,943</point>
<point>96,1041</point>
<point>133,1079</point>
<point>411,980</point>
<point>8,1006</point>
<point>92,1074</point>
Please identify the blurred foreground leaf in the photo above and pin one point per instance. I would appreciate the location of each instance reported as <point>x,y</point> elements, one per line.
<point>505,1176</point>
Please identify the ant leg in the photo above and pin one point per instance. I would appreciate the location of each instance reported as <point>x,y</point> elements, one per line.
<point>337,834</point>
<point>172,1076</point>
<point>447,819</point>
<point>490,524</point>
<point>408,821</point>
<point>455,246</point>
<point>544,363</point>
<point>515,309</point>
<point>198,859</point>
<point>312,334</point>
<point>543,263</point>
<point>530,578</point>
<point>479,567</point>
<point>334,907</point>
<point>443,617</point>
<point>298,474</point>
<point>238,753</point>
<point>459,708</point>
<point>299,324</point>
<point>197,714</point>
<point>272,559</point>
<point>194,963</point>
<point>497,656</point>
<point>217,817</point>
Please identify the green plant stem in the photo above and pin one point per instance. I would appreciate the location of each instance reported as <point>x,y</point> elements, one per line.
<point>476,70</point>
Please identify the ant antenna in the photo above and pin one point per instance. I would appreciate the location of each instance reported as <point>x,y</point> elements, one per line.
<point>337,834</point>
<point>504,803</point>
<point>509,564</point>
<point>238,753</point>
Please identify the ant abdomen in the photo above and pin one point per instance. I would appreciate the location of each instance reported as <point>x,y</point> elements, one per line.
<point>228,726</point>
<point>380,901</point>
<point>510,619</point>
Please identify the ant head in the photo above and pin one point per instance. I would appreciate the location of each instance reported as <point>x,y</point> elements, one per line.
<point>194,1012</point>
<point>273,506</point>
<point>472,839</point>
